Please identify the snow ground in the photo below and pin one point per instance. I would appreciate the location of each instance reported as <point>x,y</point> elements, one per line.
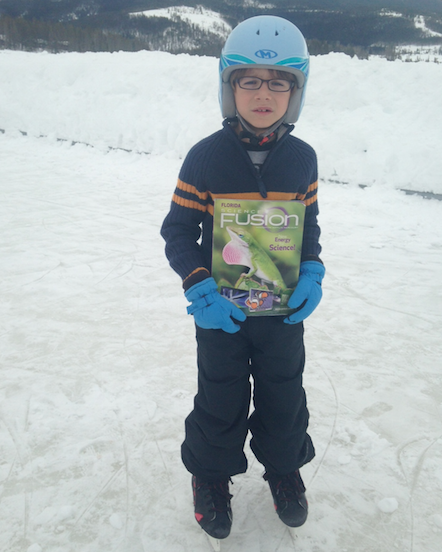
<point>96,350</point>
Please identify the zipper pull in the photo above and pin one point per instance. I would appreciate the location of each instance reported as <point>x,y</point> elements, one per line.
<point>261,185</point>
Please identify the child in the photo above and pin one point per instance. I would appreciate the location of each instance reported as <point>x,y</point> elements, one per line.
<point>263,75</point>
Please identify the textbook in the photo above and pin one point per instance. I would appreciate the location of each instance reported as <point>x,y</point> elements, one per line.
<point>257,252</point>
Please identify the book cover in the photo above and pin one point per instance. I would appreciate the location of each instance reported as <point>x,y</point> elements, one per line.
<point>257,252</point>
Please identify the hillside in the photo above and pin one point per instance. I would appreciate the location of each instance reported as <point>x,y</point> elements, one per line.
<point>357,27</point>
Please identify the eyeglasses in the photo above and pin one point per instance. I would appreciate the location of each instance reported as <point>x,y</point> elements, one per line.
<point>255,83</point>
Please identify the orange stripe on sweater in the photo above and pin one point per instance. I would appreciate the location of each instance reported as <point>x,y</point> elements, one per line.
<point>188,203</point>
<point>191,190</point>
<point>195,271</point>
<point>271,196</point>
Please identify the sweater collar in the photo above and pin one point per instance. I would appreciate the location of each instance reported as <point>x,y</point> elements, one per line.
<point>283,129</point>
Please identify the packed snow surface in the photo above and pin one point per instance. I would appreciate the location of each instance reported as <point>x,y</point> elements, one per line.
<point>96,349</point>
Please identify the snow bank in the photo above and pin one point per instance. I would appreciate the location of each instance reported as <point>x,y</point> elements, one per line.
<point>162,104</point>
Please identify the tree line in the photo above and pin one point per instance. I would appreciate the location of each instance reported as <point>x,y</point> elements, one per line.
<point>35,35</point>
<point>157,34</point>
<point>367,34</point>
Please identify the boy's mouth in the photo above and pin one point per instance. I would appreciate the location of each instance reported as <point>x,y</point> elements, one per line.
<point>262,110</point>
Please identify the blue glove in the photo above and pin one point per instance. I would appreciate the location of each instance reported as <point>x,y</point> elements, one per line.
<point>210,310</point>
<point>308,292</point>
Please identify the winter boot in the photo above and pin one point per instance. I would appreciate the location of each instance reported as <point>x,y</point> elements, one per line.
<point>212,506</point>
<point>289,497</point>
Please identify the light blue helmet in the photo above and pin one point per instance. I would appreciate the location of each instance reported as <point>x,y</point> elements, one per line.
<point>265,42</point>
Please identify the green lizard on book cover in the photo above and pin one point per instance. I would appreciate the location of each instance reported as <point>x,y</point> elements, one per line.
<point>257,252</point>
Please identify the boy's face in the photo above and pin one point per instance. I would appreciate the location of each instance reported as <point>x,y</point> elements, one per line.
<point>261,108</point>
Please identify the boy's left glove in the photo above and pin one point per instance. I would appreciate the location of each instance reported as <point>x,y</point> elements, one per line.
<point>210,310</point>
<point>308,292</point>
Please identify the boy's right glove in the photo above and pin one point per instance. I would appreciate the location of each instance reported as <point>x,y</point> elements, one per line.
<point>210,310</point>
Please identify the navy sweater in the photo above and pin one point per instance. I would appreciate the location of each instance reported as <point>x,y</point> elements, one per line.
<point>220,167</point>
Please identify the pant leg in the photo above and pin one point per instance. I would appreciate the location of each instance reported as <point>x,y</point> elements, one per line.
<point>217,427</point>
<point>280,419</point>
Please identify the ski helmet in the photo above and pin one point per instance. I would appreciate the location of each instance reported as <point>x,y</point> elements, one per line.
<point>265,42</point>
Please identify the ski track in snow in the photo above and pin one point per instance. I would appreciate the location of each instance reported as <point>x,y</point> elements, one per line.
<point>97,352</point>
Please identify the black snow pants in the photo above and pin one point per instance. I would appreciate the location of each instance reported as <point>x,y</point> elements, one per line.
<point>271,354</point>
